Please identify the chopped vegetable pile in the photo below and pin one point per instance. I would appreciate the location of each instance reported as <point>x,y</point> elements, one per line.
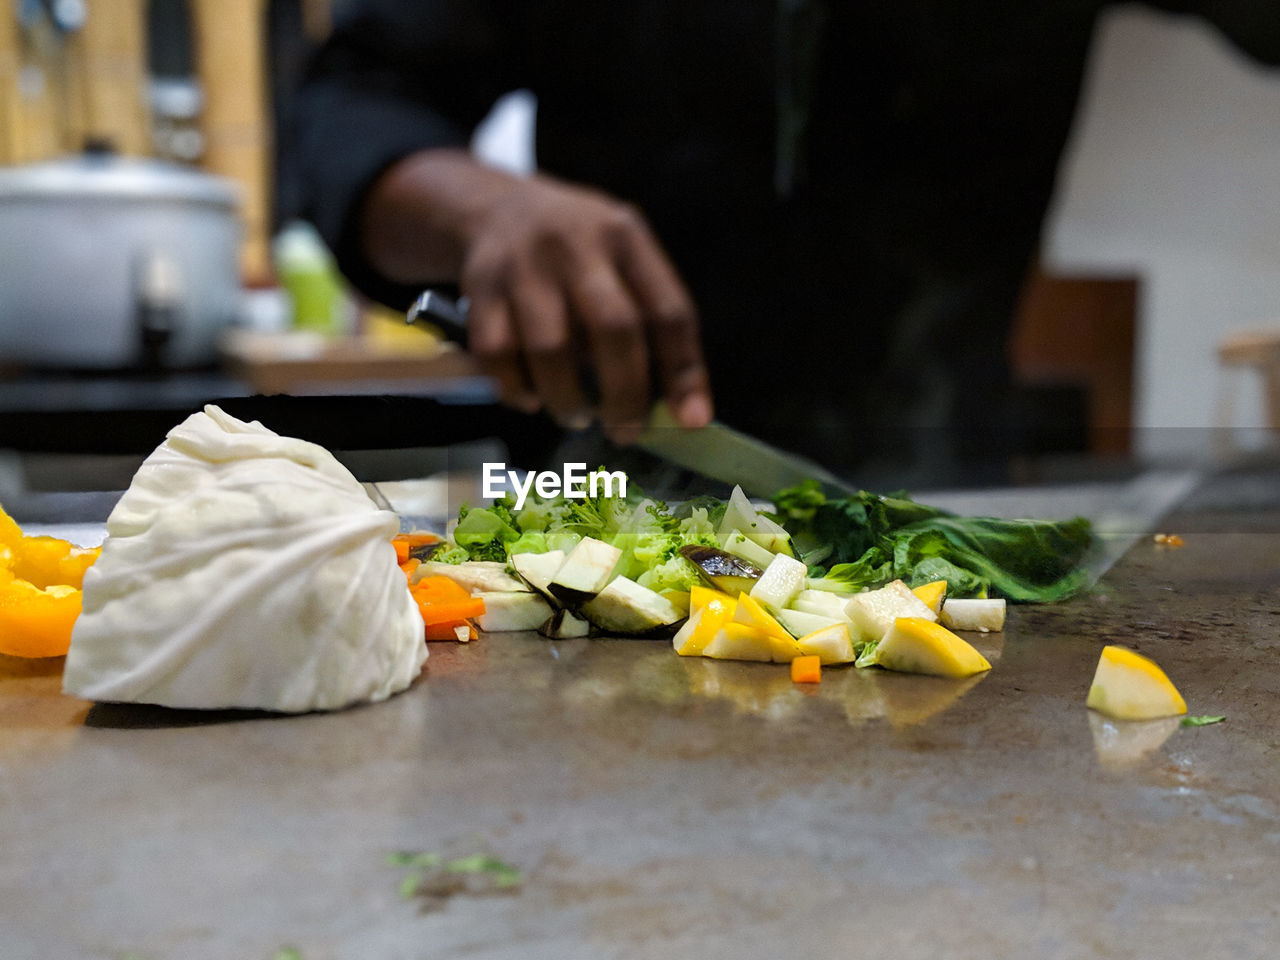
<point>648,534</point>
<point>861,542</point>
<point>729,581</point>
<point>447,607</point>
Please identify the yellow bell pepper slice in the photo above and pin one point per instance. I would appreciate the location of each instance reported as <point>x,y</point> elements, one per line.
<point>40,581</point>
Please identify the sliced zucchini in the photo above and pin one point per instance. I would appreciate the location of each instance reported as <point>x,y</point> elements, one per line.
<point>780,583</point>
<point>737,543</point>
<point>799,623</point>
<point>512,611</point>
<point>985,616</point>
<point>872,613</point>
<point>624,608</point>
<point>585,571</point>
<point>563,625</point>
<point>822,602</point>
<point>476,576</point>
<point>740,515</point>
<point>538,569</point>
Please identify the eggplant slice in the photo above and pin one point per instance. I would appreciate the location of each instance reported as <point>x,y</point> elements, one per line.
<point>722,570</point>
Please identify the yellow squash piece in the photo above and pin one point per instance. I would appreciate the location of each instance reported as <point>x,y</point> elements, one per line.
<point>752,613</point>
<point>872,613</point>
<point>678,599</point>
<point>785,649</point>
<point>700,595</point>
<point>739,641</point>
<point>830,644</point>
<point>699,630</point>
<point>916,645</point>
<point>1129,686</point>
<point>932,594</point>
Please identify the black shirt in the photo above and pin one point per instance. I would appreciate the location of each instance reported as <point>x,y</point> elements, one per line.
<point>853,191</point>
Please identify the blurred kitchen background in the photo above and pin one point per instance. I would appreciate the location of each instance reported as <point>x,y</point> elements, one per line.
<point>148,263</point>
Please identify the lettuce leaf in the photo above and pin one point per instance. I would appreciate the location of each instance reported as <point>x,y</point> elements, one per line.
<point>484,532</point>
<point>649,534</point>
<point>869,540</point>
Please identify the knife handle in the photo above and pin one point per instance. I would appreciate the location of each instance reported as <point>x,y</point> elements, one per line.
<point>442,312</point>
<point>450,316</point>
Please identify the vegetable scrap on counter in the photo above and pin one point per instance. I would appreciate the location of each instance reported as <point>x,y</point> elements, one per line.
<point>1129,686</point>
<point>806,669</point>
<point>432,878</point>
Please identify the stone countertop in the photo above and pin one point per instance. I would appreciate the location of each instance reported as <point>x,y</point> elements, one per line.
<point>661,807</point>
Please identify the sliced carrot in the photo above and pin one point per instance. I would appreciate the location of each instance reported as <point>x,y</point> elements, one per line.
<point>421,538</point>
<point>806,670</point>
<point>444,604</point>
<point>438,589</point>
<point>452,612</point>
<point>447,630</point>
<point>407,543</point>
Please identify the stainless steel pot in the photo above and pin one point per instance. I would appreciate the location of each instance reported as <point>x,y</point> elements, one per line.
<point>110,263</point>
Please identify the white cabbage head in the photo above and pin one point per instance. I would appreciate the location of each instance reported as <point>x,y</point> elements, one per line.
<point>249,570</point>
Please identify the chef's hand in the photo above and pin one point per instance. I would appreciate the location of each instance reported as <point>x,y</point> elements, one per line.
<point>560,278</point>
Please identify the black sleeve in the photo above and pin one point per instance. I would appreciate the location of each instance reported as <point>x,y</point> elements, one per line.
<point>1252,25</point>
<point>394,77</point>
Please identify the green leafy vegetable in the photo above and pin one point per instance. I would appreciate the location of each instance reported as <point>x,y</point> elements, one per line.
<point>485,532</point>
<point>431,875</point>
<point>420,860</point>
<point>502,873</point>
<point>869,540</point>
<point>649,534</point>
<point>1202,721</point>
<point>410,884</point>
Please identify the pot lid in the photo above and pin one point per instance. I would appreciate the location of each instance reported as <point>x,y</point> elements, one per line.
<point>105,175</point>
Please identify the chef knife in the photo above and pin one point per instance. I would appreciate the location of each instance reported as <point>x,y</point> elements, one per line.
<point>717,451</point>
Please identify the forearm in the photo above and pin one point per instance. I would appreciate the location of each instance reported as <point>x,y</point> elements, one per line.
<point>394,79</point>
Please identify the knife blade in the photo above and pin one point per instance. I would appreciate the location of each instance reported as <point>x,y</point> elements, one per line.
<point>717,450</point>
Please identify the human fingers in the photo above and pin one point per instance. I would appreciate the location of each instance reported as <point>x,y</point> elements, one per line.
<point>493,340</point>
<point>671,321</point>
<point>616,338</point>
<point>551,357</point>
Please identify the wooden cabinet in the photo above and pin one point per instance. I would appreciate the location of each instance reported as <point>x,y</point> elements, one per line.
<point>1079,331</point>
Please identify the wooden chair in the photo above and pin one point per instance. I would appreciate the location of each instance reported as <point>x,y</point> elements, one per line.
<point>1261,352</point>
